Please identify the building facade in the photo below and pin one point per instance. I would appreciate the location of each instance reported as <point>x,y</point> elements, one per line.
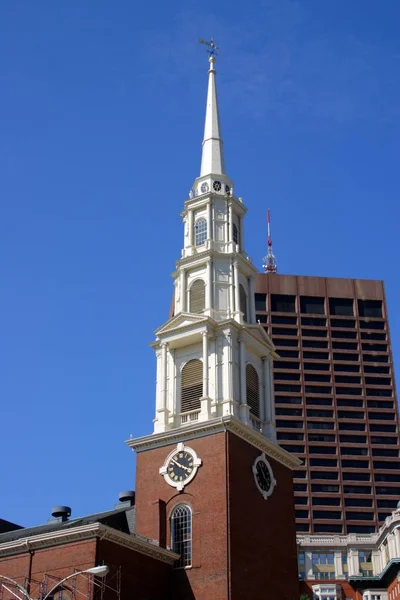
<point>335,400</point>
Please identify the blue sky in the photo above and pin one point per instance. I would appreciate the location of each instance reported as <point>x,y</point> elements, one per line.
<point>101,118</point>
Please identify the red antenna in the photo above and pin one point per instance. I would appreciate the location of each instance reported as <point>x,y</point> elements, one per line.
<point>269,261</point>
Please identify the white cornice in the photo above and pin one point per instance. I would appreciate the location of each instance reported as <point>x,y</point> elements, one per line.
<point>95,530</point>
<point>227,423</point>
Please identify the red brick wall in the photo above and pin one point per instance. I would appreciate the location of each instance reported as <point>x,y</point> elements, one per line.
<point>263,534</point>
<point>59,561</point>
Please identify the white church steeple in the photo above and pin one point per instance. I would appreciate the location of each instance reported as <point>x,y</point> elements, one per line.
<point>213,359</point>
<point>212,157</point>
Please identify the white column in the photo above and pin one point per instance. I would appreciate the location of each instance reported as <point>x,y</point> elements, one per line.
<point>353,562</point>
<point>241,228</point>
<point>237,297</point>
<point>210,285</point>
<point>265,409</point>
<point>210,228</point>
<point>397,538</point>
<point>205,364</point>
<point>244,409</point>
<point>162,417</point>
<point>376,562</point>
<point>231,292</point>
<point>308,565</point>
<point>190,227</point>
<point>182,282</point>
<point>229,237</point>
<point>252,306</point>
<point>164,362</point>
<point>392,546</point>
<point>338,565</point>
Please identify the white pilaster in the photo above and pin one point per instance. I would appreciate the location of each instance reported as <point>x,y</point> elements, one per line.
<point>210,222</point>
<point>190,226</point>
<point>237,297</point>
<point>229,236</point>
<point>210,278</point>
<point>244,409</point>
<point>205,412</point>
<point>338,565</point>
<point>397,538</point>
<point>376,562</point>
<point>252,306</point>
<point>392,546</point>
<point>162,416</point>
<point>183,291</point>
<point>353,562</point>
<point>308,567</point>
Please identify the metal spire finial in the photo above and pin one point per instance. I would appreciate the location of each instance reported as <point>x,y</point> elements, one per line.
<point>212,47</point>
<point>269,261</point>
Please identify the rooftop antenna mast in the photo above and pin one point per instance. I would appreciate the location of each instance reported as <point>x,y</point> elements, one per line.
<point>212,47</point>
<point>269,261</point>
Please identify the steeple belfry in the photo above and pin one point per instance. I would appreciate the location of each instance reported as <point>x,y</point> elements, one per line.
<point>212,158</point>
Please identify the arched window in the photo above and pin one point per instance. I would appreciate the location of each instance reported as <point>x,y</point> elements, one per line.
<point>181,534</point>
<point>253,390</point>
<point>192,385</point>
<point>197,296</point>
<point>200,230</point>
<point>243,302</point>
<point>235,233</point>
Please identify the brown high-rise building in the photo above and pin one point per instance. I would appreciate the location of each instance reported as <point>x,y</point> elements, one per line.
<point>335,398</point>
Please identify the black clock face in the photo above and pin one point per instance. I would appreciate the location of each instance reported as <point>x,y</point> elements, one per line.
<point>180,466</point>
<point>263,476</point>
<point>217,186</point>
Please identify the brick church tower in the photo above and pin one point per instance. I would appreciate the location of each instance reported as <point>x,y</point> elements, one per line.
<point>211,480</point>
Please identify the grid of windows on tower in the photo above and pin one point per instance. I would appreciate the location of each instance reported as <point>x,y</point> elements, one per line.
<point>335,408</point>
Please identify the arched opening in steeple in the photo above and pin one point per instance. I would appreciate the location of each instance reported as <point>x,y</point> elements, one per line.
<point>192,385</point>
<point>197,296</point>
<point>253,390</point>
<point>243,302</point>
<point>181,534</point>
<point>200,232</point>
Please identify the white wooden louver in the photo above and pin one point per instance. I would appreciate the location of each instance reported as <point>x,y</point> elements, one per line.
<point>253,390</point>
<point>197,296</point>
<point>192,385</point>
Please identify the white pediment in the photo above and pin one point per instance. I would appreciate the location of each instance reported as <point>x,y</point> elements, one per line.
<point>258,332</point>
<point>181,321</point>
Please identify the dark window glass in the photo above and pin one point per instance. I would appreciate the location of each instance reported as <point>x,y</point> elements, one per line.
<point>324,475</point>
<point>301,500</point>
<point>320,425</point>
<point>284,331</point>
<point>311,412</point>
<point>356,476</point>
<point>345,391</point>
<point>327,528</point>
<point>380,404</point>
<point>355,464</point>
<point>289,411</point>
<point>322,450</point>
<point>341,306</point>
<point>286,364</point>
<point>349,402</point>
<point>350,414</point>
<point>317,377</point>
<point>352,439</point>
<point>301,514</point>
<point>319,401</point>
<point>387,491</point>
<point>378,380</point>
<point>318,501</point>
<point>376,347</point>
<point>299,487</point>
<point>323,462</point>
<point>382,428</point>
<point>360,529</point>
<point>287,400</point>
<point>318,389</point>
<point>348,335</point>
<point>379,337</point>
<point>391,477</point>
<point>312,305</point>
<point>378,358</point>
<point>370,308</point>
<point>359,516</point>
<point>261,319</point>
<point>283,303</point>
<point>322,487</point>
<point>382,416</point>
<point>288,353</point>
<point>354,451</point>
<point>385,452</point>
<point>314,332</point>
<point>314,344</point>
<point>347,368</point>
<point>261,301</point>
<point>320,437</point>
<point>308,366</point>
<point>303,527</point>
<point>315,355</point>
<point>349,323</point>
<point>283,320</point>
<point>386,503</point>
<point>327,514</point>
<point>344,345</point>
<point>285,387</point>
<point>362,502</point>
<point>375,439</point>
<point>293,448</point>
<point>289,424</point>
<point>279,375</point>
<point>344,356</point>
<point>283,342</point>
<point>378,369</point>
<point>378,392</point>
<point>357,489</point>
<point>288,435</point>
<point>346,426</point>
<point>347,379</point>
<point>300,475</point>
<point>313,321</point>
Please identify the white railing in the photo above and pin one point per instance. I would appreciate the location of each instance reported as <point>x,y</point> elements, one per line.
<point>256,423</point>
<point>189,417</point>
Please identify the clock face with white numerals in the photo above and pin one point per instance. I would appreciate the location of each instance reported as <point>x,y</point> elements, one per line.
<point>180,466</point>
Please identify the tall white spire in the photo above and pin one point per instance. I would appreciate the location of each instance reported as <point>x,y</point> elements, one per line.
<point>212,158</point>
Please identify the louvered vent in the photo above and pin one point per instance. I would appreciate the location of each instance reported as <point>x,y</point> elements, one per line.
<point>235,233</point>
<point>253,390</point>
<point>192,385</point>
<point>197,296</point>
<point>243,302</point>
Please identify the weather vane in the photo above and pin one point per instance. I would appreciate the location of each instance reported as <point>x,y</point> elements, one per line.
<point>212,47</point>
